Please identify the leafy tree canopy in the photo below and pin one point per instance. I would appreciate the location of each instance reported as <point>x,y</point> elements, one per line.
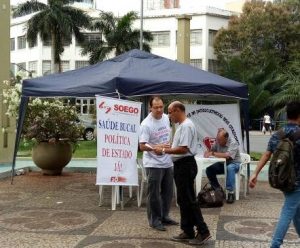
<point>259,47</point>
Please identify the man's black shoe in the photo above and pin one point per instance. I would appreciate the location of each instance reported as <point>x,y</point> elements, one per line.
<point>182,237</point>
<point>159,227</point>
<point>200,239</point>
<point>230,197</point>
<point>169,221</point>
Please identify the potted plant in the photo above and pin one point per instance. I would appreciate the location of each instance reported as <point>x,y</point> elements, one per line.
<point>53,126</point>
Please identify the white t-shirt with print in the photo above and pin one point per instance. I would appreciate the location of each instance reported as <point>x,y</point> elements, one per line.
<point>186,135</point>
<point>155,132</point>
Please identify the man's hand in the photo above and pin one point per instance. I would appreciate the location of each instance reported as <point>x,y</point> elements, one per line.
<point>166,145</point>
<point>158,150</point>
<point>252,181</point>
<point>207,154</point>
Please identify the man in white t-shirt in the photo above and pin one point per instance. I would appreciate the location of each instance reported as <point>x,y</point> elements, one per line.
<point>156,133</point>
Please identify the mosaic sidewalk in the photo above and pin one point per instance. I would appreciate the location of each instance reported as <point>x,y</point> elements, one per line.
<point>63,211</point>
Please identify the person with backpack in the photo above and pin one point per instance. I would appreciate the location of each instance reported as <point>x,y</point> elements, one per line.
<point>280,148</point>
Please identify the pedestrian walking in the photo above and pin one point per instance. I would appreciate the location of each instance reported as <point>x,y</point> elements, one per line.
<point>291,207</point>
<point>267,127</point>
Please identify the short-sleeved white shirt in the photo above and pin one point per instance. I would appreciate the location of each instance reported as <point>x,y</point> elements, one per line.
<point>186,135</point>
<point>267,119</point>
<point>155,132</point>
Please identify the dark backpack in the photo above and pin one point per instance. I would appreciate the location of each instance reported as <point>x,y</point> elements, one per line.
<point>282,172</point>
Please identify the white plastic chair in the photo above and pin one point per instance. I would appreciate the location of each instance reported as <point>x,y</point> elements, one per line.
<point>242,175</point>
<point>139,163</point>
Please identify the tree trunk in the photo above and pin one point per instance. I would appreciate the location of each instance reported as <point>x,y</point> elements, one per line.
<point>54,66</point>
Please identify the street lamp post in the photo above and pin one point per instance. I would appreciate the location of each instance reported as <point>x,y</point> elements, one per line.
<point>141,29</point>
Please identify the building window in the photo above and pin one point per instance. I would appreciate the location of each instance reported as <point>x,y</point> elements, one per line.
<point>46,67</point>
<point>196,37</point>
<point>67,42</point>
<point>213,66</point>
<point>162,4</point>
<point>32,67</point>
<point>161,39</point>
<point>154,4</point>
<point>83,1</point>
<point>196,63</point>
<point>12,69</point>
<point>65,65</point>
<point>12,44</point>
<point>32,44</point>
<point>80,64</point>
<point>211,37</point>
<point>91,37</point>
<point>85,106</point>
<point>21,42</point>
<point>48,42</point>
<point>21,67</point>
<point>170,4</point>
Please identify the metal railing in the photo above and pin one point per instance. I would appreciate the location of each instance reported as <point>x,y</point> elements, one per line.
<point>257,124</point>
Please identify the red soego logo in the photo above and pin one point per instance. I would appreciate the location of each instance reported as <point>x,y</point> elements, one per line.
<point>118,108</point>
<point>103,106</point>
<point>125,109</point>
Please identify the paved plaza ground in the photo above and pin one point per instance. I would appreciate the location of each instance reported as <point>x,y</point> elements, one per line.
<point>63,211</point>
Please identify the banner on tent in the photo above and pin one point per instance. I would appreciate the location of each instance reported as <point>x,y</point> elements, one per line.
<point>118,124</point>
<point>209,118</point>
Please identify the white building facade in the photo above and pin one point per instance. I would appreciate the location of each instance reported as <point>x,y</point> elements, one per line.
<point>205,23</point>
<point>36,58</point>
<point>160,18</point>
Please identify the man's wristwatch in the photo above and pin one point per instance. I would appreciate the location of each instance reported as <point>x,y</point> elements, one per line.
<point>163,151</point>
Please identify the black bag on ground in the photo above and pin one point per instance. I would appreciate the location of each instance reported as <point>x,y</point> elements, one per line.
<point>282,172</point>
<point>210,198</point>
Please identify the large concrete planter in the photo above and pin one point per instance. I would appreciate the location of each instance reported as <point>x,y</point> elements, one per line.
<point>52,157</point>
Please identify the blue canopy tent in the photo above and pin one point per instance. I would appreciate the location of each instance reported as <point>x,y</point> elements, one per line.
<point>133,74</point>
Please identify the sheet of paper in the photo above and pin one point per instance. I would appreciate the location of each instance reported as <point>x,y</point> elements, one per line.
<point>149,146</point>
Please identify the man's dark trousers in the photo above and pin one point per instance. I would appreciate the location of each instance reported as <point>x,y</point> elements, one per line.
<point>212,172</point>
<point>160,193</point>
<point>185,171</point>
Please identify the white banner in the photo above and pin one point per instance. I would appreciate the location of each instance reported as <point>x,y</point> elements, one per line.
<point>209,118</point>
<point>118,123</point>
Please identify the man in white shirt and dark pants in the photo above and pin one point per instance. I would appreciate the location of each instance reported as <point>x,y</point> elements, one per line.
<point>156,133</point>
<point>183,150</point>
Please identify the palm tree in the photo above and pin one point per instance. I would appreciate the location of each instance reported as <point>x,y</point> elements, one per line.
<point>118,34</point>
<point>55,21</point>
<point>290,89</point>
<point>262,82</point>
